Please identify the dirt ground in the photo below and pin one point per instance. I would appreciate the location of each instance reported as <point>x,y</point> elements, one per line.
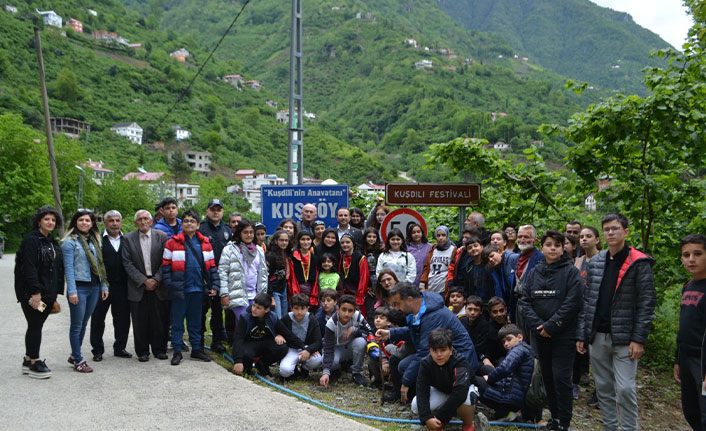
<point>658,397</point>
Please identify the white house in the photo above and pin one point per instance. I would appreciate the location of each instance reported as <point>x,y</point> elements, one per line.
<point>92,12</point>
<point>180,54</point>
<point>99,172</point>
<point>186,194</point>
<point>251,188</point>
<point>424,64</point>
<point>590,202</point>
<point>411,42</point>
<point>51,18</point>
<point>181,133</point>
<point>10,8</point>
<point>255,85</point>
<point>371,188</point>
<point>502,146</point>
<point>234,80</point>
<point>132,131</point>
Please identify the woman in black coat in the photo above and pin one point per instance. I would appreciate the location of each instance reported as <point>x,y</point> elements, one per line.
<point>39,278</point>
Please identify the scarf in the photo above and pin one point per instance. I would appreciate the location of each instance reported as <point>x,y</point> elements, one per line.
<point>447,244</point>
<point>249,252</point>
<point>94,261</point>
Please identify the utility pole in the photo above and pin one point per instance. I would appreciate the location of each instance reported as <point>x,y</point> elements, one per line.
<point>295,159</point>
<point>47,124</point>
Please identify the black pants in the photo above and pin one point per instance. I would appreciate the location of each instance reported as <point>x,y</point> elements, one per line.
<point>692,402</point>
<point>266,349</point>
<point>229,324</point>
<point>35,323</point>
<point>556,358</point>
<point>120,310</point>
<point>581,365</point>
<point>149,321</point>
<point>396,376</point>
<point>214,303</point>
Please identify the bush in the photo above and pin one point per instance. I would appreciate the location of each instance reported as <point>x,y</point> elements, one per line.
<point>662,342</point>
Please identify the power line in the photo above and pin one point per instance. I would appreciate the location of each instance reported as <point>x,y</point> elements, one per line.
<point>188,87</point>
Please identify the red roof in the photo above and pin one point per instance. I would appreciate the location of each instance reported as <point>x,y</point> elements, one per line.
<point>148,176</point>
<point>245,172</point>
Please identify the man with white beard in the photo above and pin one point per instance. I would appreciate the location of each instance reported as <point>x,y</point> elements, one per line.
<point>523,264</point>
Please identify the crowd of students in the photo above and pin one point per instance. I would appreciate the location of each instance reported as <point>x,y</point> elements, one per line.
<point>446,326</point>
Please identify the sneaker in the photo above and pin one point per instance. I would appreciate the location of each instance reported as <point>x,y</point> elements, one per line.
<point>200,355</point>
<point>184,347</point>
<point>576,391</point>
<point>26,363</point>
<point>391,397</point>
<point>39,370</point>
<point>471,427</point>
<point>176,358</point>
<point>593,402</point>
<point>481,422</point>
<point>262,369</point>
<point>360,379</point>
<point>82,367</point>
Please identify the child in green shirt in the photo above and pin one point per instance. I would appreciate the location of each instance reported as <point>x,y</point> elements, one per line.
<point>328,277</point>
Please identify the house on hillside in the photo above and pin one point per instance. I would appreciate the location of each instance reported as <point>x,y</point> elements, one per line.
<point>371,188</point>
<point>590,202</point>
<point>244,173</point>
<point>186,194</point>
<point>180,133</point>
<point>251,188</point>
<point>143,176</point>
<point>199,161</point>
<point>50,18</point>
<point>10,8</point>
<point>234,80</point>
<point>411,42</point>
<point>69,126</point>
<point>423,64</point>
<point>255,85</point>
<point>283,116</point>
<point>271,103</point>
<point>92,12</point>
<point>180,54</point>
<point>75,24</point>
<point>99,172</point>
<point>502,146</point>
<point>132,131</point>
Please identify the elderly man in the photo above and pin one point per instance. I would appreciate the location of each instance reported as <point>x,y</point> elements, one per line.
<point>117,300</point>
<point>308,217</point>
<point>523,264</point>
<point>476,221</point>
<point>149,309</point>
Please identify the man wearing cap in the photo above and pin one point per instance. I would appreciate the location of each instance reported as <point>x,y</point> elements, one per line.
<point>218,233</point>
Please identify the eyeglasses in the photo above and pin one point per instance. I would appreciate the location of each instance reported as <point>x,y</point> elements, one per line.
<point>509,231</point>
<point>189,221</point>
<point>612,229</point>
<point>84,210</point>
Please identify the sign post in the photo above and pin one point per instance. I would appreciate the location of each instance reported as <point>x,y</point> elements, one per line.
<point>287,201</point>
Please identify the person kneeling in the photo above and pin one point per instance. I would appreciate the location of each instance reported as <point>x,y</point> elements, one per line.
<point>444,385</point>
<point>260,333</point>
<point>305,327</point>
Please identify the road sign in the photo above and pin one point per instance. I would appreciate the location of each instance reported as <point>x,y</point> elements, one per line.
<point>432,194</point>
<point>280,202</point>
<point>400,219</point>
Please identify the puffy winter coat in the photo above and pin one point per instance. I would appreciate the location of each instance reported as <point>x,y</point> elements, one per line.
<point>509,382</point>
<point>634,299</point>
<point>174,264</point>
<point>231,271</point>
<point>553,297</point>
<point>405,266</point>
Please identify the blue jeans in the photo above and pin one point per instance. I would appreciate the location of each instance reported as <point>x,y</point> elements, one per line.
<point>80,314</point>
<point>281,307</point>
<point>190,308</point>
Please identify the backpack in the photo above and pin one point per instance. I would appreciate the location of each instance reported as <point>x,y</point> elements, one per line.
<point>536,396</point>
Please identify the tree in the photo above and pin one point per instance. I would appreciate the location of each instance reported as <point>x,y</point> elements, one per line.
<point>126,197</point>
<point>179,166</point>
<point>67,88</point>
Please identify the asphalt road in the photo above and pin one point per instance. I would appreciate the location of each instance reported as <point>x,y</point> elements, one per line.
<point>127,394</point>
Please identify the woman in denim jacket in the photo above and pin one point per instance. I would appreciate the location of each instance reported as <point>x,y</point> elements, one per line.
<point>85,279</point>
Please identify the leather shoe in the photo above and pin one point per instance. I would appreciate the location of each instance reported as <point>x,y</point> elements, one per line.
<point>161,356</point>
<point>122,354</point>
<point>97,357</point>
<point>143,358</point>
<point>217,348</point>
<point>176,358</point>
<point>200,355</point>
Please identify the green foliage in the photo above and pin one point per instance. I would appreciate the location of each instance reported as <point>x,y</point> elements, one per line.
<point>179,166</point>
<point>127,197</point>
<point>67,86</point>
<point>662,341</point>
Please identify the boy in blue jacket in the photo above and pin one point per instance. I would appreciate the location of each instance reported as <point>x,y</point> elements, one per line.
<point>507,384</point>
<point>444,386</point>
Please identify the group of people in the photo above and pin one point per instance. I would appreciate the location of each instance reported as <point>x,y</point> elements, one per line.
<point>446,325</point>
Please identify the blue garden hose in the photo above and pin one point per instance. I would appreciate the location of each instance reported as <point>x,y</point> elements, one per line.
<point>362,416</point>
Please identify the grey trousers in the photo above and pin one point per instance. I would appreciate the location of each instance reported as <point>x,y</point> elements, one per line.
<point>354,350</point>
<point>614,374</point>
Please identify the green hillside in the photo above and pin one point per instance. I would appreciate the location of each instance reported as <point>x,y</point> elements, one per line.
<point>575,38</point>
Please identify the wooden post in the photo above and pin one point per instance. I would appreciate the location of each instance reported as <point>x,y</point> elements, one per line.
<point>47,124</point>
<point>461,221</point>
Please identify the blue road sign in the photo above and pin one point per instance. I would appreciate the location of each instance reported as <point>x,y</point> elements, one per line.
<point>280,202</point>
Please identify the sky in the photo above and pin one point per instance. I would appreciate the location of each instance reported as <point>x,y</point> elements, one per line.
<point>667,18</point>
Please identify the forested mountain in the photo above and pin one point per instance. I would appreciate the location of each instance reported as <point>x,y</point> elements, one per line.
<point>575,38</point>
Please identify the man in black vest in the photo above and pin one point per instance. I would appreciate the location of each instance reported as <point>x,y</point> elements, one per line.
<point>117,300</point>
<point>218,233</point>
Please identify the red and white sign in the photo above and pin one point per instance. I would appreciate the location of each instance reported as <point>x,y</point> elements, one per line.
<point>400,219</point>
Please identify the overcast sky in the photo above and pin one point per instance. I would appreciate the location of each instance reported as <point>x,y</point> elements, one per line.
<point>667,18</point>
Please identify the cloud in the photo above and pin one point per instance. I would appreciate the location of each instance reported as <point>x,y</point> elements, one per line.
<point>668,18</point>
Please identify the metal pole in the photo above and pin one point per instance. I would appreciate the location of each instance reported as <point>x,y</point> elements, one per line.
<point>461,221</point>
<point>47,124</point>
<point>295,156</point>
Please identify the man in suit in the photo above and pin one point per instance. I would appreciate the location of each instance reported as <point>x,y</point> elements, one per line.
<point>343,215</point>
<point>117,300</point>
<point>142,258</point>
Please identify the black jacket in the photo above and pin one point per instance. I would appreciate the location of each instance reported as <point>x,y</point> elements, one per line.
<point>552,296</point>
<point>39,268</point>
<point>313,342</point>
<point>218,236</point>
<point>453,378</point>
<point>274,327</point>
<point>633,307</point>
<point>478,331</point>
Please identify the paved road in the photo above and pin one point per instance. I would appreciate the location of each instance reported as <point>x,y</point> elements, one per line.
<point>127,394</point>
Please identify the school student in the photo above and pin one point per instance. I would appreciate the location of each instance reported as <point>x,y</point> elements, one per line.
<point>354,272</point>
<point>457,301</point>
<point>305,327</point>
<point>328,299</point>
<point>397,258</point>
<point>439,264</point>
<point>551,301</point>
<point>494,350</point>
<point>303,271</point>
<point>444,385</point>
<point>476,324</point>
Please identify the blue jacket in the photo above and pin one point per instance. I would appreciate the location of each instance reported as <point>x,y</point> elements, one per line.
<point>76,266</point>
<point>436,315</point>
<point>164,227</point>
<point>509,382</point>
